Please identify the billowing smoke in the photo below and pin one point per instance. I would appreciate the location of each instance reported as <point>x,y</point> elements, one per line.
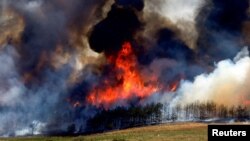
<point>220,26</point>
<point>226,85</point>
<point>11,88</point>
<point>41,58</point>
<point>64,61</point>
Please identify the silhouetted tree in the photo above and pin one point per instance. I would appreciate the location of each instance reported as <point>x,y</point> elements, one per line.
<point>222,111</point>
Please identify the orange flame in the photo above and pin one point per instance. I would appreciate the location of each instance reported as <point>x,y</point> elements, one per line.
<point>174,87</point>
<point>132,84</point>
<point>245,100</point>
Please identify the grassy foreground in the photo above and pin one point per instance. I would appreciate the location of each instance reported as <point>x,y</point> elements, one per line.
<point>164,132</point>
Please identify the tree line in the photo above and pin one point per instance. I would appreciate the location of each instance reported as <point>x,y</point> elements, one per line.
<point>203,111</point>
<point>122,117</point>
<point>125,117</point>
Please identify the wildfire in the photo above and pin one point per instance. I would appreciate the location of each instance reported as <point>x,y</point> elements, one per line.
<point>130,85</point>
<point>245,100</point>
<point>174,87</point>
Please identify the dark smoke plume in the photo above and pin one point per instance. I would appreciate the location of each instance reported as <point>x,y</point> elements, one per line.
<point>220,28</point>
<point>119,26</point>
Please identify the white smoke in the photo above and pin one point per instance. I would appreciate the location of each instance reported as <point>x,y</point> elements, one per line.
<point>180,13</point>
<point>227,84</point>
<point>23,110</point>
<point>11,88</point>
<point>35,129</point>
<point>177,10</point>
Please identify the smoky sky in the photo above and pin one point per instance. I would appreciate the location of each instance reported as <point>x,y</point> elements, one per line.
<point>33,90</point>
<point>219,24</point>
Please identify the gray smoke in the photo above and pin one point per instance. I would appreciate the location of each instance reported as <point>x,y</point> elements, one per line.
<point>38,71</point>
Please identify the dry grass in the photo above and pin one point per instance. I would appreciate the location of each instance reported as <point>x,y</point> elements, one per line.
<point>164,132</point>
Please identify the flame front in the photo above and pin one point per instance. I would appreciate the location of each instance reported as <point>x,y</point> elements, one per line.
<point>130,82</point>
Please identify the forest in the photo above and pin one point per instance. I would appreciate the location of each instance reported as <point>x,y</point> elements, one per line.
<point>157,113</point>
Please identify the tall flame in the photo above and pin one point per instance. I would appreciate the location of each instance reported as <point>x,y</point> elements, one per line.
<point>131,83</point>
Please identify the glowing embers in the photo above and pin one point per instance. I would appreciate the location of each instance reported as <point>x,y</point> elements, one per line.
<point>129,83</point>
<point>245,100</point>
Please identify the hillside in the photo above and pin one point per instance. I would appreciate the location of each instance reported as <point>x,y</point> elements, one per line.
<point>164,132</point>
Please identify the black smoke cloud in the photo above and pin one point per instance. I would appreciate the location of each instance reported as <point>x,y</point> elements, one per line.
<point>119,26</point>
<point>219,24</point>
<point>169,46</point>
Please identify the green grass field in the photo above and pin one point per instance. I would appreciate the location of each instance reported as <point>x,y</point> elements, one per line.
<point>164,132</point>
